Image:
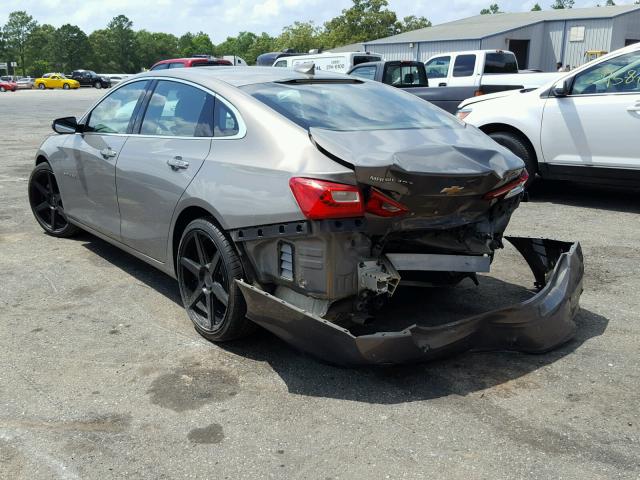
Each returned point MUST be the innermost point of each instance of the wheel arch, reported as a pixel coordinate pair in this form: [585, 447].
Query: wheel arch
[41, 159]
[504, 127]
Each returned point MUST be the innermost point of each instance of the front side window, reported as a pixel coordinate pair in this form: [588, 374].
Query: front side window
[616, 75]
[280, 63]
[404, 76]
[350, 106]
[178, 110]
[438, 67]
[464, 65]
[365, 72]
[114, 113]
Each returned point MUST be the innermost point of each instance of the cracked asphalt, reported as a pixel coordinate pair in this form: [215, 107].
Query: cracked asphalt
[102, 375]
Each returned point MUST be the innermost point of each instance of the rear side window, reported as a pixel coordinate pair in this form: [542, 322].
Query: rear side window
[114, 113]
[438, 67]
[225, 121]
[404, 76]
[500, 62]
[365, 72]
[178, 110]
[464, 65]
[162, 66]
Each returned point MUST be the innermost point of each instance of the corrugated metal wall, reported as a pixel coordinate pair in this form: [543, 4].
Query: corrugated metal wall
[533, 33]
[597, 36]
[625, 27]
[552, 45]
[420, 51]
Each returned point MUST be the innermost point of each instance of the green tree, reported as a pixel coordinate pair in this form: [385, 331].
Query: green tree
[300, 37]
[40, 49]
[16, 33]
[102, 58]
[561, 4]
[153, 46]
[262, 43]
[121, 41]
[365, 20]
[191, 44]
[71, 48]
[492, 10]
[414, 23]
[536, 8]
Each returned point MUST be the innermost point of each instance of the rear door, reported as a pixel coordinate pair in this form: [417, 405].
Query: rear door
[89, 166]
[156, 165]
[598, 122]
[464, 71]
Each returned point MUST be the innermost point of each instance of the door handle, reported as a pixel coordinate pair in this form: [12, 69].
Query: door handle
[108, 153]
[443, 84]
[177, 163]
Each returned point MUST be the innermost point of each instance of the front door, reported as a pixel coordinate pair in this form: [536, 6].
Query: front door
[598, 122]
[89, 164]
[156, 166]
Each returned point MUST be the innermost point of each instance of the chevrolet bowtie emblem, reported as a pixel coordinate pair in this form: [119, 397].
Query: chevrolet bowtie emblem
[453, 190]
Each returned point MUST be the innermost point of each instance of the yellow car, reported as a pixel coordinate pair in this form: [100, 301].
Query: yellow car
[55, 80]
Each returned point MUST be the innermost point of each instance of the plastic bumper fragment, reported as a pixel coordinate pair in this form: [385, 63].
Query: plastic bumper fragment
[536, 325]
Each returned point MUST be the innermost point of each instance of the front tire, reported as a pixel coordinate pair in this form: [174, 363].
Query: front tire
[207, 266]
[65, 86]
[41, 86]
[518, 146]
[46, 203]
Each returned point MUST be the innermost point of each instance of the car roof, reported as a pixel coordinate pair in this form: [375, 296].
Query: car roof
[239, 76]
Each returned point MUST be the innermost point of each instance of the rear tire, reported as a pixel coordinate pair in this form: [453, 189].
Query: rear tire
[41, 86]
[65, 86]
[518, 146]
[207, 266]
[2, 89]
[97, 85]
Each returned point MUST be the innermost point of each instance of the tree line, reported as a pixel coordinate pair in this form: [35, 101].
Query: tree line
[556, 5]
[39, 48]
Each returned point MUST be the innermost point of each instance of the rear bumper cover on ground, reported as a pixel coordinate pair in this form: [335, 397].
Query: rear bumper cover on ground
[539, 324]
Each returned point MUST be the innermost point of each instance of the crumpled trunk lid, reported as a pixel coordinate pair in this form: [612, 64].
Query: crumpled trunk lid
[441, 174]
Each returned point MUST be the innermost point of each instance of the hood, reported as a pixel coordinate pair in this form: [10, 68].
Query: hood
[434, 172]
[491, 96]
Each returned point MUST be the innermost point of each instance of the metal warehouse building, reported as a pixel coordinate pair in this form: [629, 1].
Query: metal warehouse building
[539, 39]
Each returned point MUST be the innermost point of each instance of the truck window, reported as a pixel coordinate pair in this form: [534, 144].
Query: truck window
[500, 62]
[464, 65]
[280, 63]
[438, 67]
[400, 75]
[365, 72]
[358, 59]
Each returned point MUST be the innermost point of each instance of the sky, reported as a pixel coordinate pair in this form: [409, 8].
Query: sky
[222, 18]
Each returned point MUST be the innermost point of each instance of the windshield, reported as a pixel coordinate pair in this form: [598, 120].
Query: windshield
[350, 106]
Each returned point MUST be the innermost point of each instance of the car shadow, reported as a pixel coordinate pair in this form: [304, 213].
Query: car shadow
[461, 374]
[601, 197]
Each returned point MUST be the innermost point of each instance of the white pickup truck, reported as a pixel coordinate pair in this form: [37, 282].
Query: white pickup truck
[477, 68]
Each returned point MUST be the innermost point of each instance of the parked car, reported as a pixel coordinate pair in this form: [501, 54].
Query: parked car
[299, 201]
[189, 62]
[582, 127]
[8, 86]
[55, 80]
[411, 76]
[89, 78]
[330, 62]
[267, 59]
[481, 67]
[115, 78]
[25, 83]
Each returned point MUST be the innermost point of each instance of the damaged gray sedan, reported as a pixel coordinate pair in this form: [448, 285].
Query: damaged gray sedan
[302, 202]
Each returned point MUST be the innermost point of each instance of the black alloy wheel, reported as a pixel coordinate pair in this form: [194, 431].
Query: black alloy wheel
[207, 267]
[46, 203]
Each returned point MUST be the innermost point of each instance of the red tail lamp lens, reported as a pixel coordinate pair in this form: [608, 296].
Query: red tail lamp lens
[319, 199]
[383, 206]
[505, 189]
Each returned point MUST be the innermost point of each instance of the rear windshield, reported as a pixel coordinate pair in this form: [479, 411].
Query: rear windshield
[500, 62]
[400, 75]
[350, 106]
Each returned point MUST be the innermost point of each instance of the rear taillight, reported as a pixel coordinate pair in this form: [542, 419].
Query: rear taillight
[383, 206]
[319, 199]
[509, 189]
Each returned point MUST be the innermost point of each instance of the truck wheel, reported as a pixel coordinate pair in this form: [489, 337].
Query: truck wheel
[97, 85]
[515, 144]
[207, 266]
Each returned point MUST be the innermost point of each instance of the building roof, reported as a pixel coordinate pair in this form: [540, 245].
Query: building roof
[482, 26]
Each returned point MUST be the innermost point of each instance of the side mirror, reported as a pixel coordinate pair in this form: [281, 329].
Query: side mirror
[561, 89]
[65, 125]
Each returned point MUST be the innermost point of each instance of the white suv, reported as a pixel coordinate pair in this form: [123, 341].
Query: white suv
[585, 126]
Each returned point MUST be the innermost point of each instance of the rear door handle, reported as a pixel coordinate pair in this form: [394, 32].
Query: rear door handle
[443, 84]
[108, 153]
[177, 163]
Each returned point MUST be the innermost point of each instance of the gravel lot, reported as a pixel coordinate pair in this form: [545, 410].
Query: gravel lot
[102, 375]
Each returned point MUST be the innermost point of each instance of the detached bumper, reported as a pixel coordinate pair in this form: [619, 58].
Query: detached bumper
[539, 324]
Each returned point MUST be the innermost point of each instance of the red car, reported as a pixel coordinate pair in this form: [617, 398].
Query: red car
[8, 86]
[189, 62]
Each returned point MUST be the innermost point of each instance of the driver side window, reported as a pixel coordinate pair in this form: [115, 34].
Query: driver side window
[113, 114]
[616, 75]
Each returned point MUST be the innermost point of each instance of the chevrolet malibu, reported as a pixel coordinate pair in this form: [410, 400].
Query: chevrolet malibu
[301, 201]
